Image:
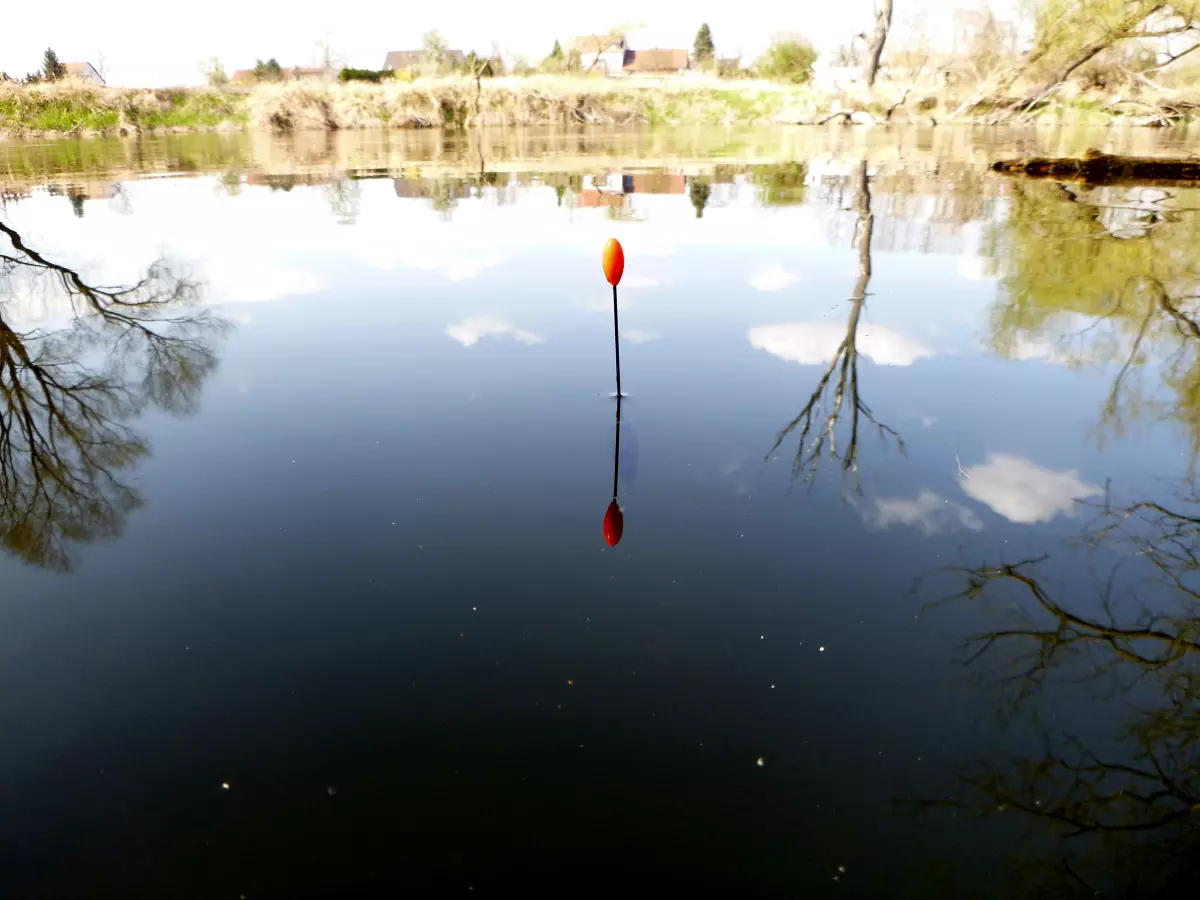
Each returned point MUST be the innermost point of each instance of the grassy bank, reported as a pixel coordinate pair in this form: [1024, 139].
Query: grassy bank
[532, 101]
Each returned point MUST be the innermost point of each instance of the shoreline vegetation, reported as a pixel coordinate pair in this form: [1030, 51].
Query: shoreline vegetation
[457, 102]
[568, 156]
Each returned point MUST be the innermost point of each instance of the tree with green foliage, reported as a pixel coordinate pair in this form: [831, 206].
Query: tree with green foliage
[788, 59]
[52, 69]
[1088, 279]
[698, 192]
[557, 52]
[703, 49]
[1070, 33]
[267, 71]
[214, 72]
[435, 51]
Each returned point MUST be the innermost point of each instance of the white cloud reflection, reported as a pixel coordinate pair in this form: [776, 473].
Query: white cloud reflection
[469, 332]
[928, 512]
[809, 343]
[640, 336]
[1022, 491]
[772, 278]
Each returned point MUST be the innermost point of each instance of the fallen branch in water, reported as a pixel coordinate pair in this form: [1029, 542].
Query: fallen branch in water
[1102, 168]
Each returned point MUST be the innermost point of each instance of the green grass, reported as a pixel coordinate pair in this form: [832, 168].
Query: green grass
[54, 114]
[190, 110]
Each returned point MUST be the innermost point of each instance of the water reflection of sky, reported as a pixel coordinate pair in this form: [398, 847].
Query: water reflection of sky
[385, 522]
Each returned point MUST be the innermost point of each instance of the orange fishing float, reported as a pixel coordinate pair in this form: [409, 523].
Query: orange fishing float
[614, 261]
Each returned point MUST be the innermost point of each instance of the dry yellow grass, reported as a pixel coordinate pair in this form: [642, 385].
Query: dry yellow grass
[459, 102]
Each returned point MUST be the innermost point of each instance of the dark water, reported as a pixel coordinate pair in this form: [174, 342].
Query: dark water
[304, 590]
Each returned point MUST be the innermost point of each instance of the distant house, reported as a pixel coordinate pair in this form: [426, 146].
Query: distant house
[604, 53]
[409, 60]
[83, 71]
[659, 182]
[614, 187]
[656, 62]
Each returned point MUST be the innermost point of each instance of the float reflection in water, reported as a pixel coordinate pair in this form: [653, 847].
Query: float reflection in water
[614, 267]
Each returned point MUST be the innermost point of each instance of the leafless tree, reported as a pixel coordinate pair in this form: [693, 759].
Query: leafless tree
[1126, 814]
[67, 396]
[879, 35]
[816, 424]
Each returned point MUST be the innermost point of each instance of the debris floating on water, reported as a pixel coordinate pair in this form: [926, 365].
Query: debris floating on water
[761, 762]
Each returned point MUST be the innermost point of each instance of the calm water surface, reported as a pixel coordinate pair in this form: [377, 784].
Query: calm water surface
[304, 459]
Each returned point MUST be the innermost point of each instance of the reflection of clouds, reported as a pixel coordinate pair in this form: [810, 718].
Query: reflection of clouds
[604, 303]
[640, 336]
[253, 282]
[641, 281]
[469, 332]
[975, 268]
[1022, 491]
[928, 512]
[772, 278]
[809, 343]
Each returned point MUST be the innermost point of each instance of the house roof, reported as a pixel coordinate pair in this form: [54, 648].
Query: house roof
[656, 60]
[82, 69]
[597, 43]
[411, 59]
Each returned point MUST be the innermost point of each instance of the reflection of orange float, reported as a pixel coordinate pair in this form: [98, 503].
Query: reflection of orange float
[614, 524]
[614, 267]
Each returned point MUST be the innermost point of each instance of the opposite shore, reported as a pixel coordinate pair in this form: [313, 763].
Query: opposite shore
[541, 100]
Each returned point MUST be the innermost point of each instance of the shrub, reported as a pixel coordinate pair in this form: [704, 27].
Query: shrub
[364, 75]
[790, 60]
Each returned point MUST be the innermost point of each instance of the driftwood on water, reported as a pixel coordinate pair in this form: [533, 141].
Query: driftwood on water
[1101, 168]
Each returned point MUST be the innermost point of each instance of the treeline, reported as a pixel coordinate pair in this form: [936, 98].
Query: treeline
[51, 70]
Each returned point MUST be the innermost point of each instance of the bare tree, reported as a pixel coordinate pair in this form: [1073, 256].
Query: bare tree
[67, 396]
[879, 35]
[816, 434]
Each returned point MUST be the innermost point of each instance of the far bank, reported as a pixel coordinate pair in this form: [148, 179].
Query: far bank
[459, 102]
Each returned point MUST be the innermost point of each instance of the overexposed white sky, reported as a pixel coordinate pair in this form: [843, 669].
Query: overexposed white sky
[148, 44]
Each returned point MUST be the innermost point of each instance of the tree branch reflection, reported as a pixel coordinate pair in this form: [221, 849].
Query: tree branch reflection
[1130, 797]
[1105, 275]
[815, 427]
[69, 393]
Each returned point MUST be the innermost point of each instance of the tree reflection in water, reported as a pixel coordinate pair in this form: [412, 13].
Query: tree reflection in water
[815, 427]
[1105, 276]
[1124, 800]
[69, 394]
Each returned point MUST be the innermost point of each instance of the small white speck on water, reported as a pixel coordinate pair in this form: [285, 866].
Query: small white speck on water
[772, 687]
[474, 609]
[842, 869]
[761, 762]
[330, 791]
[762, 637]
[224, 785]
[820, 649]
[187, 648]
